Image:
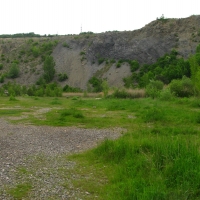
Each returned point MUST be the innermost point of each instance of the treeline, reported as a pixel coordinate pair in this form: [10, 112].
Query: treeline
[24, 35]
[49, 90]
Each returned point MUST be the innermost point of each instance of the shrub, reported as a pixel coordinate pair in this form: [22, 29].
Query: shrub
[67, 88]
[65, 45]
[134, 65]
[96, 84]
[154, 88]
[82, 53]
[118, 65]
[2, 78]
[62, 77]
[166, 95]
[14, 71]
[12, 98]
[101, 60]
[182, 88]
[36, 51]
[1, 66]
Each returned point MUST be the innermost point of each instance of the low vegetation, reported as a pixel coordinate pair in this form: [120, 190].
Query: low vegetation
[157, 157]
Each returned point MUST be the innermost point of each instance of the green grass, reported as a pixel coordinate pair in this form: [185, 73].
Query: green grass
[158, 157]
[20, 191]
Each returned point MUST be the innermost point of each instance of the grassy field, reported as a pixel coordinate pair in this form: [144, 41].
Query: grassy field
[157, 158]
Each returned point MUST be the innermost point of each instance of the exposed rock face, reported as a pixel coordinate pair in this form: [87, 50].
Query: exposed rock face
[80, 59]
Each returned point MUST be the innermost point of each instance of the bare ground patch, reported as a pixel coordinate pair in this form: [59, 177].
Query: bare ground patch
[39, 150]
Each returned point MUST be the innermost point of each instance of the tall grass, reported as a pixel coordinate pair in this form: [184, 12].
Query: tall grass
[151, 167]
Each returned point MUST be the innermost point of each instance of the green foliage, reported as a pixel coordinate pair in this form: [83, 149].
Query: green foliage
[66, 45]
[101, 60]
[151, 168]
[105, 88]
[52, 90]
[182, 88]
[14, 71]
[82, 53]
[2, 78]
[86, 33]
[12, 98]
[49, 70]
[20, 35]
[118, 65]
[145, 79]
[67, 88]
[195, 69]
[36, 51]
[167, 68]
[20, 191]
[71, 112]
[96, 84]
[1, 66]
[153, 114]
[166, 95]
[121, 94]
[134, 65]
[154, 88]
[62, 77]
[198, 49]
[124, 94]
[162, 19]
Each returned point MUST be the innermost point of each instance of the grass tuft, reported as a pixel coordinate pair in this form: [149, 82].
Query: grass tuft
[20, 191]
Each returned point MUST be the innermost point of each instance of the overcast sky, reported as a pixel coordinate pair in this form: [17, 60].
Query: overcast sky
[67, 16]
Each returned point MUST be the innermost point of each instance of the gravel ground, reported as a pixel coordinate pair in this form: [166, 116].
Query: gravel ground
[38, 151]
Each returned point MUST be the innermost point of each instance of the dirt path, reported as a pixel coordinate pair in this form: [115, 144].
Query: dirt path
[19, 142]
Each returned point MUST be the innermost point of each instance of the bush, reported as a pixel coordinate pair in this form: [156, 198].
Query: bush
[14, 71]
[154, 88]
[82, 53]
[65, 45]
[67, 88]
[166, 95]
[1, 66]
[118, 65]
[96, 84]
[62, 77]
[134, 65]
[182, 88]
[101, 60]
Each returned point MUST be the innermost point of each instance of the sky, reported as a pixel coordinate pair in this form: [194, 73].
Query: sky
[68, 16]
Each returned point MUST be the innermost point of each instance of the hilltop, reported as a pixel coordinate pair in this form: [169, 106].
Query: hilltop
[87, 54]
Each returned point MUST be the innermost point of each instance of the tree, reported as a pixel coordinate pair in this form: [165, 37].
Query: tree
[49, 70]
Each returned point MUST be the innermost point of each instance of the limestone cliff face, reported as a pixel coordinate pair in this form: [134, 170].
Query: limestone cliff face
[79, 58]
[145, 45]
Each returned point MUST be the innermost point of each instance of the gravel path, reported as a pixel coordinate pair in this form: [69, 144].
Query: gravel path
[24, 145]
